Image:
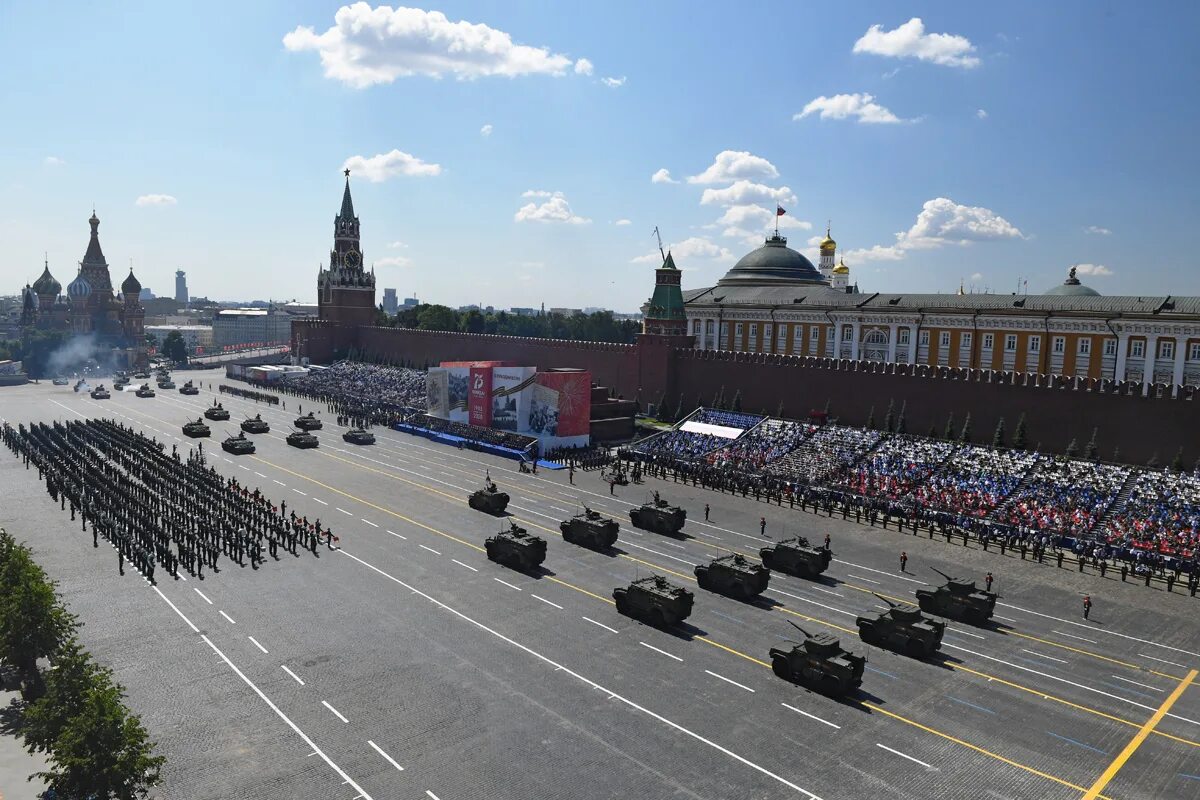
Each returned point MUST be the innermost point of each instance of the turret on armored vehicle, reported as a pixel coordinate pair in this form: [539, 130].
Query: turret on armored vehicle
[958, 599]
[733, 575]
[797, 557]
[100, 393]
[189, 388]
[358, 436]
[256, 425]
[165, 382]
[238, 445]
[489, 499]
[217, 412]
[658, 516]
[302, 439]
[819, 663]
[654, 600]
[197, 429]
[516, 549]
[145, 391]
[308, 422]
[121, 382]
[902, 628]
[590, 529]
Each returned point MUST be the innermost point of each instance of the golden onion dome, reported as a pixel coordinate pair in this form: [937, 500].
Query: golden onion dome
[828, 245]
[841, 269]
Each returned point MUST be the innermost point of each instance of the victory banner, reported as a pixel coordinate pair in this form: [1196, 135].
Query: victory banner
[437, 393]
[479, 397]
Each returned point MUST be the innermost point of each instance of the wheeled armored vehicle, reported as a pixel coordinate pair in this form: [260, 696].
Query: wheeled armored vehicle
[197, 429]
[189, 388]
[217, 412]
[256, 425]
[238, 445]
[358, 436]
[302, 439]
[654, 600]
[958, 599]
[308, 422]
[100, 393]
[489, 499]
[60, 381]
[796, 557]
[902, 628]
[516, 549]
[733, 575]
[145, 391]
[590, 529]
[658, 516]
[819, 663]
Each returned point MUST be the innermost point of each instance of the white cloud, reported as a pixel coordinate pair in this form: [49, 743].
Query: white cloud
[1097, 230]
[380, 167]
[981, 114]
[613, 83]
[943, 222]
[694, 247]
[976, 276]
[486, 130]
[730, 165]
[746, 192]
[662, 176]
[368, 46]
[155, 200]
[555, 209]
[54, 161]
[397, 245]
[841, 106]
[750, 222]
[911, 41]
[393, 261]
[1093, 269]
[622, 222]
[583, 67]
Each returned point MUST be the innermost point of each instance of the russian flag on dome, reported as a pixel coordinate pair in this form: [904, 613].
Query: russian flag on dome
[780, 210]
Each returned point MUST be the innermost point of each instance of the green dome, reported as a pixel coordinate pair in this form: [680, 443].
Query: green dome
[772, 264]
[46, 284]
[1072, 287]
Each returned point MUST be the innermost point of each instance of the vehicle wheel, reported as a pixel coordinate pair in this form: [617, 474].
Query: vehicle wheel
[830, 686]
[779, 665]
[768, 560]
[622, 606]
[657, 619]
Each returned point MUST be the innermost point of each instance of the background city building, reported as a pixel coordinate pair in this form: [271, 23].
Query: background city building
[390, 304]
[181, 287]
[194, 336]
[245, 326]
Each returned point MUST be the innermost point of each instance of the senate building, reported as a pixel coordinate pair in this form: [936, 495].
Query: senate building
[774, 300]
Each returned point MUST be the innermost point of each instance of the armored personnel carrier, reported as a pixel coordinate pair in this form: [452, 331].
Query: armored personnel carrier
[658, 516]
[256, 425]
[819, 663]
[516, 549]
[796, 557]
[166, 383]
[141, 375]
[197, 429]
[189, 388]
[59, 380]
[308, 422]
[145, 391]
[654, 600]
[902, 628]
[489, 499]
[100, 393]
[302, 439]
[238, 445]
[733, 575]
[590, 529]
[217, 412]
[358, 436]
[80, 385]
[958, 599]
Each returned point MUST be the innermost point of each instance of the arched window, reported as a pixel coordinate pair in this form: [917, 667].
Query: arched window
[875, 345]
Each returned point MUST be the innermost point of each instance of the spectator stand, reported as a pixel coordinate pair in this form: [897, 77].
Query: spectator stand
[1064, 496]
[898, 465]
[692, 439]
[473, 437]
[1161, 514]
[974, 480]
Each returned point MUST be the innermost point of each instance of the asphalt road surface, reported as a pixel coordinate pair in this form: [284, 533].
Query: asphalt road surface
[407, 665]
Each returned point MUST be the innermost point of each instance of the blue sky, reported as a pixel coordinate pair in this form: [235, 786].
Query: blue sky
[982, 143]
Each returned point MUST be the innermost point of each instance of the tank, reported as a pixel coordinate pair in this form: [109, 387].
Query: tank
[79, 385]
[516, 549]
[819, 663]
[100, 393]
[658, 516]
[189, 388]
[590, 529]
[121, 383]
[958, 599]
[302, 439]
[166, 383]
[256, 425]
[238, 445]
[902, 628]
[141, 375]
[796, 557]
[217, 412]
[308, 422]
[60, 381]
[145, 391]
[489, 499]
[733, 575]
[358, 436]
[197, 429]
[654, 600]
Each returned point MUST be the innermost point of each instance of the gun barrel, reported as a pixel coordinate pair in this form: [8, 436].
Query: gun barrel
[884, 599]
[797, 627]
[939, 572]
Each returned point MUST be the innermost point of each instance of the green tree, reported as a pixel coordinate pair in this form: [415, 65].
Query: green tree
[1018, 439]
[998, 434]
[889, 418]
[175, 348]
[948, 433]
[965, 435]
[1177, 461]
[1072, 449]
[901, 422]
[1091, 450]
[67, 684]
[33, 623]
[437, 318]
[736, 405]
[871, 418]
[472, 321]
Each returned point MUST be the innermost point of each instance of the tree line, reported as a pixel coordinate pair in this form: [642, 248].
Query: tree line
[599, 326]
[74, 712]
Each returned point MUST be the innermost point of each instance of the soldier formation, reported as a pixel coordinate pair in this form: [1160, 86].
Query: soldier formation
[157, 509]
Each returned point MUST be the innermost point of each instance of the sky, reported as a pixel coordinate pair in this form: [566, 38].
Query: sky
[514, 153]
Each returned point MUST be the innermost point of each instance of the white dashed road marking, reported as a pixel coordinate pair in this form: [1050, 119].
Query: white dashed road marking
[544, 600]
[430, 549]
[664, 652]
[735, 683]
[461, 564]
[226, 616]
[506, 583]
[336, 713]
[197, 591]
[812, 716]
[601, 624]
[390, 760]
[294, 675]
[372, 524]
[906, 755]
[344, 511]
[256, 644]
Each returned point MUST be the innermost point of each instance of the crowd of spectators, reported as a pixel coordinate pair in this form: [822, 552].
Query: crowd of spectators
[975, 480]
[380, 395]
[1162, 514]
[1068, 495]
[895, 468]
[756, 448]
[830, 450]
[474, 433]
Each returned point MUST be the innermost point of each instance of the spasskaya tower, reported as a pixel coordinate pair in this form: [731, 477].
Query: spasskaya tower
[345, 291]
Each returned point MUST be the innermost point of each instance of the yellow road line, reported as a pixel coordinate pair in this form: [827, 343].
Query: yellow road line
[976, 748]
[1138, 738]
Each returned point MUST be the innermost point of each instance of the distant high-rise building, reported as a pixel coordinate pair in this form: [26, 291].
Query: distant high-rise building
[181, 292]
[390, 303]
[146, 294]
